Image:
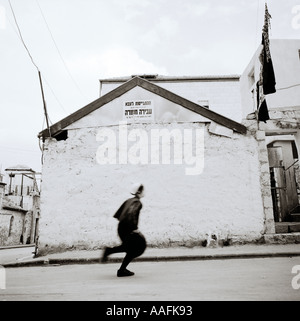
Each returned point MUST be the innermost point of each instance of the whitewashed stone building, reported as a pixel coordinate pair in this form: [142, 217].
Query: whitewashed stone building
[282, 130]
[204, 174]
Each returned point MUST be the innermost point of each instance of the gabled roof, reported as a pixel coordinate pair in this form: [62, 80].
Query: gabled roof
[160, 78]
[56, 128]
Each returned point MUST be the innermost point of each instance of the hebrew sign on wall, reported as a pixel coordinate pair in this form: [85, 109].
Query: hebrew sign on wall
[138, 110]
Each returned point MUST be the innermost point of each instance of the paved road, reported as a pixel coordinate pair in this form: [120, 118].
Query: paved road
[236, 279]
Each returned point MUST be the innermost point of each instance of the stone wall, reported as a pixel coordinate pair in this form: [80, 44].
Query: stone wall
[15, 222]
[14, 227]
[258, 131]
[2, 188]
[80, 196]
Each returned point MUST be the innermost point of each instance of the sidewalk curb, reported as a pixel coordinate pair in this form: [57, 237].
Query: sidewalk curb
[33, 262]
[69, 261]
[16, 246]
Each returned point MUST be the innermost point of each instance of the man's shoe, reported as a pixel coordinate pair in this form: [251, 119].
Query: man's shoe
[124, 273]
[105, 255]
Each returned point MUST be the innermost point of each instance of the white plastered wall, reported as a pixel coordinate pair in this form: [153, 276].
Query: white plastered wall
[80, 196]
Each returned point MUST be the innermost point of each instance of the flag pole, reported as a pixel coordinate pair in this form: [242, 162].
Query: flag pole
[266, 83]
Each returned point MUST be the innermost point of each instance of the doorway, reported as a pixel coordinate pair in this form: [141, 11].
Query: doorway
[284, 174]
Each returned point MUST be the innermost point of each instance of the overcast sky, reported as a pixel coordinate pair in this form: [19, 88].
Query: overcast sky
[75, 43]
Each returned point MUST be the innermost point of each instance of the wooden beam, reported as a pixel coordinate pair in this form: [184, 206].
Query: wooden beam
[89, 108]
[222, 120]
[119, 91]
[279, 132]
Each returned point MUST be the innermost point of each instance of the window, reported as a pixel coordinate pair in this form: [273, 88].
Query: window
[63, 135]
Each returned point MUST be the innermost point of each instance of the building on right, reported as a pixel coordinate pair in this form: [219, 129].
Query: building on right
[285, 55]
[282, 130]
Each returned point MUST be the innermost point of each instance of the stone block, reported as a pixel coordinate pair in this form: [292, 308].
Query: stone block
[281, 228]
[268, 203]
[265, 179]
[283, 238]
[264, 167]
[260, 135]
[269, 222]
[263, 156]
[294, 227]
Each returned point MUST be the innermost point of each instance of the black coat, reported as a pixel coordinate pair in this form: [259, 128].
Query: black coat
[128, 216]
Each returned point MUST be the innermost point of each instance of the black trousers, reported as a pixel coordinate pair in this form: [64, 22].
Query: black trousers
[134, 244]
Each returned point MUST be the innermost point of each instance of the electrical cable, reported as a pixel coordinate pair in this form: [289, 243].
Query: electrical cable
[60, 55]
[13, 149]
[39, 73]
[21, 37]
[53, 93]
[289, 87]
[48, 84]
[40, 78]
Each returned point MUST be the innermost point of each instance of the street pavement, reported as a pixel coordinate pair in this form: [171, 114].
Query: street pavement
[236, 272]
[22, 256]
[254, 279]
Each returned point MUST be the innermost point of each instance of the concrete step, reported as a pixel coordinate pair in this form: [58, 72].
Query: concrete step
[287, 227]
[281, 227]
[295, 217]
[282, 238]
[294, 227]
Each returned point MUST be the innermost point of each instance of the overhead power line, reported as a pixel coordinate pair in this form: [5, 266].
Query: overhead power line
[37, 68]
[289, 87]
[44, 78]
[21, 37]
[60, 55]
[16, 149]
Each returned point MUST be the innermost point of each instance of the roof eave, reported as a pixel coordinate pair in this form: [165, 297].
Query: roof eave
[147, 85]
[159, 78]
